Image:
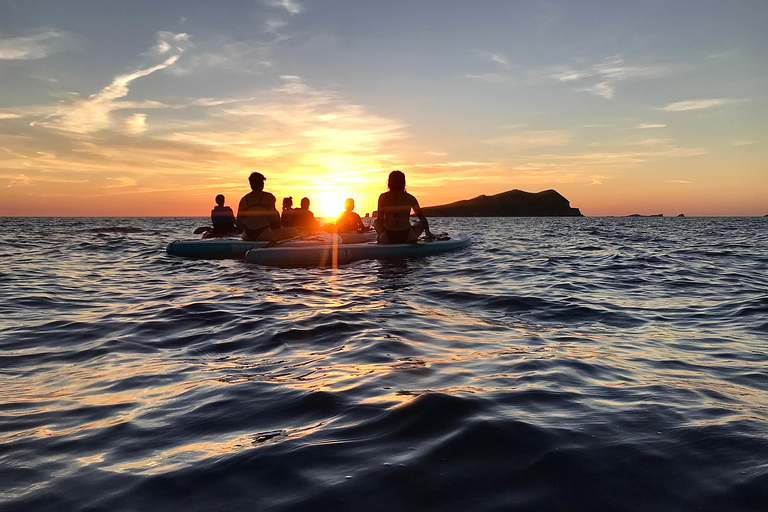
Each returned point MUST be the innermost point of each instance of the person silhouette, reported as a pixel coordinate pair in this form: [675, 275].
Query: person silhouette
[222, 218]
[392, 221]
[287, 217]
[348, 221]
[256, 213]
[303, 218]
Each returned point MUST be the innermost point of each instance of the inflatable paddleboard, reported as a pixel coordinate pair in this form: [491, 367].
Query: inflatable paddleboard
[235, 248]
[325, 255]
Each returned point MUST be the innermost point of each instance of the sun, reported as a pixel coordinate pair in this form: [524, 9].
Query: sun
[328, 204]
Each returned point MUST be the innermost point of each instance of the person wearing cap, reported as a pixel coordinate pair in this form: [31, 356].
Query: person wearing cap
[256, 214]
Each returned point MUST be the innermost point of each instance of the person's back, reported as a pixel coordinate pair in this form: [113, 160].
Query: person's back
[256, 214]
[394, 211]
[303, 218]
[349, 221]
[222, 217]
[287, 218]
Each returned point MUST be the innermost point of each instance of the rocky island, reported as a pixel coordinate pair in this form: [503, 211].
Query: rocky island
[513, 203]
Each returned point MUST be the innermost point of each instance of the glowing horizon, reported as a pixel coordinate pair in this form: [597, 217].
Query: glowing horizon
[155, 111]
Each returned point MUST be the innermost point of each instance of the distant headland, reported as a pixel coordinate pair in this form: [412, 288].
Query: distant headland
[513, 203]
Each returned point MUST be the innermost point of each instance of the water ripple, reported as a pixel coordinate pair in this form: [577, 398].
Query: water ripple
[556, 364]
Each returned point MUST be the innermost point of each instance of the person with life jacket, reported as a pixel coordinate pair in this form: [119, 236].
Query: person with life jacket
[256, 214]
[392, 222]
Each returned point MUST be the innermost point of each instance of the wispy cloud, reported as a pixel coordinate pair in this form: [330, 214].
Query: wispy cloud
[292, 6]
[35, 46]
[455, 164]
[493, 78]
[95, 112]
[122, 182]
[597, 179]
[603, 76]
[533, 139]
[223, 53]
[684, 106]
[16, 180]
[681, 182]
[137, 124]
[649, 126]
[170, 43]
[495, 57]
[89, 115]
[603, 89]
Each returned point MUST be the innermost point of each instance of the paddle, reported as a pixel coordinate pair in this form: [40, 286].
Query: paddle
[202, 229]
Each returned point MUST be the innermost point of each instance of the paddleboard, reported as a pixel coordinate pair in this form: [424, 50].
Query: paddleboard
[358, 238]
[326, 255]
[235, 248]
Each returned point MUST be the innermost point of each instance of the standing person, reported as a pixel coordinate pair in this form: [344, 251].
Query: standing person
[394, 211]
[303, 218]
[349, 221]
[286, 218]
[256, 214]
[222, 218]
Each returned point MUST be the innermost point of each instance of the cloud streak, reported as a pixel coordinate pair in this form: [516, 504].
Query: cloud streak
[292, 6]
[684, 106]
[36, 46]
[604, 75]
[533, 139]
[93, 114]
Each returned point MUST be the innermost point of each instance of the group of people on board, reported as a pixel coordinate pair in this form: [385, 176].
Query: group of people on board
[298, 217]
[259, 220]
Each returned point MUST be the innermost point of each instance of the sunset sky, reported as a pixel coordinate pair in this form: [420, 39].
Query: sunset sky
[142, 108]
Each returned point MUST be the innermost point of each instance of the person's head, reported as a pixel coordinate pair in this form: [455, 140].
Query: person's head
[396, 181]
[349, 204]
[287, 202]
[256, 179]
[220, 200]
[305, 202]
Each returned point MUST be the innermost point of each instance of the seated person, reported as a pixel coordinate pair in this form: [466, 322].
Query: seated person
[222, 218]
[393, 214]
[303, 218]
[256, 214]
[349, 221]
[287, 217]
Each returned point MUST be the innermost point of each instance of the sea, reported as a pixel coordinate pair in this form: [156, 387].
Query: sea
[556, 364]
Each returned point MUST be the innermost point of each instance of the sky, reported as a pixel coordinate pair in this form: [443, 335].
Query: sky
[113, 108]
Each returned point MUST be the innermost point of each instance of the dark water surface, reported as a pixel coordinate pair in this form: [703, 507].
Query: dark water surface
[556, 364]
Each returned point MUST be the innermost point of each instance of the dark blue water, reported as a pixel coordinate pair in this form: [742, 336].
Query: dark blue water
[557, 364]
